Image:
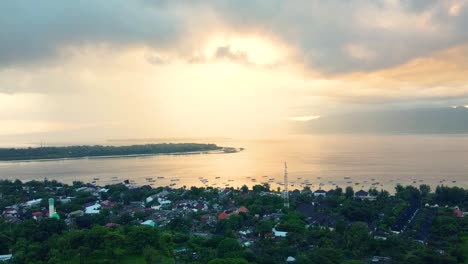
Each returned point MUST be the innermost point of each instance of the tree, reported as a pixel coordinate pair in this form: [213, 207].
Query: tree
[229, 247]
[357, 238]
[244, 189]
[263, 227]
[349, 192]
[151, 255]
[424, 189]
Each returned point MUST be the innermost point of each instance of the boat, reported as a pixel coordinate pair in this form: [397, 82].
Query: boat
[161, 177]
[96, 179]
[149, 179]
[173, 180]
[347, 178]
[217, 177]
[172, 184]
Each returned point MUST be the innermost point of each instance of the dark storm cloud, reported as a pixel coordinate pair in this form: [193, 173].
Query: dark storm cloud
[31, 31]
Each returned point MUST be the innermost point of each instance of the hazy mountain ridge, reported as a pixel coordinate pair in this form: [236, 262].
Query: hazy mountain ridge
[414, 121]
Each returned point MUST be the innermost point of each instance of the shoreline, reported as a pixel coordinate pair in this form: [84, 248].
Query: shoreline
[223, 150]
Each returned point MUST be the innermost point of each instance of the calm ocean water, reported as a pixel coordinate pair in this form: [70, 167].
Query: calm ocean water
[319, 161]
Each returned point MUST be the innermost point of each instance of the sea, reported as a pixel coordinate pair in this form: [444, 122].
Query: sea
[318, 161]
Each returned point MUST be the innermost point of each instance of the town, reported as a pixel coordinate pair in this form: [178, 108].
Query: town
[51, 222]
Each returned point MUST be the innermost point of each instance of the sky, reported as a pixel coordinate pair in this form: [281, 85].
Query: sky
[89, 70]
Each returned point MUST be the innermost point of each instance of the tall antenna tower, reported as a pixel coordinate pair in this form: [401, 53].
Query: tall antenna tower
[285, 191]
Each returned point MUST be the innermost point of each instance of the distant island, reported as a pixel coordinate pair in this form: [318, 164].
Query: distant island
[14, 154]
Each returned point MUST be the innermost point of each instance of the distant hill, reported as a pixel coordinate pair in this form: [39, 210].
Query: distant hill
[414, 121]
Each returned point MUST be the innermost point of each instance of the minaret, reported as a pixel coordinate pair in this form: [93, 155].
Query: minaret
[51, 207]
[286, 192]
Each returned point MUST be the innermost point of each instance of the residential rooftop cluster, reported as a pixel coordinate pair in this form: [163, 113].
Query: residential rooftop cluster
[251, 217]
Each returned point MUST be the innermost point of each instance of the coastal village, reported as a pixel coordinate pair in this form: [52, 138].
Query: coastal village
[247, 215]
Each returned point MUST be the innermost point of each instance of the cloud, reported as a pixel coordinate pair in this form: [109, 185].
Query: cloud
[225, 52]
[33, 32]
[157, 59]
[327, 36]
[151, 64]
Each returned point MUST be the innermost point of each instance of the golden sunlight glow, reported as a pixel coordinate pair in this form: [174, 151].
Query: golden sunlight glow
[257, 49]
[303, 118]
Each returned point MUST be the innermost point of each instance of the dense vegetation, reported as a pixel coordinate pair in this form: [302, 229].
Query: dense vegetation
[86, 239]
[98, 150]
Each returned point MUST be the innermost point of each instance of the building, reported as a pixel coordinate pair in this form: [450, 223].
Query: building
[93, 209]
[33, 202]
[458, 213]
[222, 216]
[149, 223]
[279, 233]
[361, 194]
[6, 258]
[318, 193]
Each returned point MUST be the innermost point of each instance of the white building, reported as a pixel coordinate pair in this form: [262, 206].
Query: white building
[93, 209]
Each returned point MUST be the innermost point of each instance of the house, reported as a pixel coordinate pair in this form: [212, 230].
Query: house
[379, 234]
[112, 225]
[243, 209]
[10, 212]
[86, 189]
[76, 213]
[306, 209]
[163, 193]
[37, 215]
[222, 216]
[458, 213]
[151, 198]
[361, 194]
[378, 259]
[164, 202]
[33, 202]
[149, 223]
[65, 200]
[93, 209]
[295, 193]
[224, 193]
[6, 258]
[290, 259]
[318, 193]
[279, 233]
[108, 204]
[103, 190]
